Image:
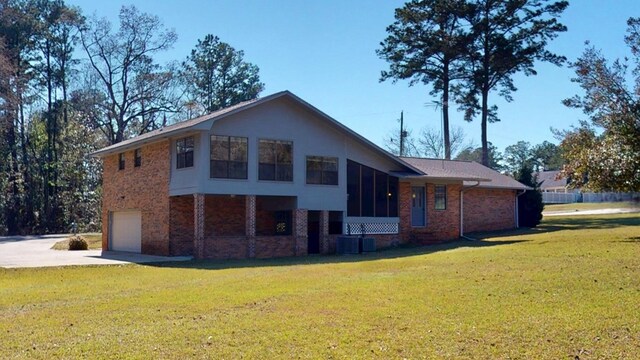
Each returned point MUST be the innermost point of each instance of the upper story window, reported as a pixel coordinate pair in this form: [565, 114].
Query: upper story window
[121, 161]
[322, 170]
[228, 157]
[275, 159]
[440, 200]
[184, 152]
[137, 157]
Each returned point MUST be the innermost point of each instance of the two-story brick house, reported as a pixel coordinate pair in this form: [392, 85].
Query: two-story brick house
[277, 177]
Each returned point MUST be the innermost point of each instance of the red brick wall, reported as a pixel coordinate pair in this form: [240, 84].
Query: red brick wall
[181, 230]
[224, 215]
[226, 247]
[144, 188]
[442, 225]
[275, 246]
[488, 209]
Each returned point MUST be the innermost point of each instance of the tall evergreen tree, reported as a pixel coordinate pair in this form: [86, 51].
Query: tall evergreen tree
[509, 37]
[426, 44]
[217, 76]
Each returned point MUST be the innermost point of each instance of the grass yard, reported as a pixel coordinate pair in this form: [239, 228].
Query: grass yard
[591, 206]
[567, 290]
[94, 240]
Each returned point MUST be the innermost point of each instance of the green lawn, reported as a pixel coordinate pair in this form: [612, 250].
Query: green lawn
[569, 289]
[94, 240]
[591, 206]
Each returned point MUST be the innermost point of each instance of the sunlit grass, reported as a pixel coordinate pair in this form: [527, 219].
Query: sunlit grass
[94, 240]
[590, 206]
[569, 288]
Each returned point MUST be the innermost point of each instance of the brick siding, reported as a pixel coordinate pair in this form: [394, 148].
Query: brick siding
[224, 215]
[489, 209]
[181, 228]
[144, 188]
[226, 247]
[275, 246]
[442, 225]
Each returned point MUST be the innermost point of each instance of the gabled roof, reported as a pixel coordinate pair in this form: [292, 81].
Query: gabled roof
[548, 180]
[174, 129]
[469, 171]
[206, 121]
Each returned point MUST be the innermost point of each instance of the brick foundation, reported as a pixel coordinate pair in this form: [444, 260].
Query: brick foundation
[275, 246]
[226, 247]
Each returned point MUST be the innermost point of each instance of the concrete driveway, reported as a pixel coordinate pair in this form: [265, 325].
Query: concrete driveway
[35, 251]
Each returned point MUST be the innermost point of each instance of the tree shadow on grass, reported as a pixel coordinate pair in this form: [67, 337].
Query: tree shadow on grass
[384, 254]
[548, 225]
[632, 239]
[596, 222]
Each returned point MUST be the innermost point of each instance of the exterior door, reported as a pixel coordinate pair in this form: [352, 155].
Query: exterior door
[418, 208]
[313, 232]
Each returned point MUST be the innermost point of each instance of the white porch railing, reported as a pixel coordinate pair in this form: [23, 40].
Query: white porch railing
[371, 226]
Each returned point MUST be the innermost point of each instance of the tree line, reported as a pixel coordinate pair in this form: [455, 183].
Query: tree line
[469, 50]
[71, 84]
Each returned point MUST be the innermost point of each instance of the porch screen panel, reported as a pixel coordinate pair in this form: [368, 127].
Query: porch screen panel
[368, 176]
[393, 196]
[353, 188]
[382, 194]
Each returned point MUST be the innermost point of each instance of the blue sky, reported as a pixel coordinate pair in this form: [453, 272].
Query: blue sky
[324, 52]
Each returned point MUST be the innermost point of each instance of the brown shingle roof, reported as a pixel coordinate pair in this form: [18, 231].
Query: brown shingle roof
[469, 171]
[548, 179]
[176, 128]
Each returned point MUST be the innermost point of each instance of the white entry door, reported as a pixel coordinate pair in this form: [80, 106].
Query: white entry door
[126, 231]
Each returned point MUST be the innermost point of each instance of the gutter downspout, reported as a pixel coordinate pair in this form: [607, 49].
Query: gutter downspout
[516, 208]
[462, 210]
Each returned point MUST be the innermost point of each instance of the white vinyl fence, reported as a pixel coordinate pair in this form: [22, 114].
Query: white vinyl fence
[567, 198]
[559, 198]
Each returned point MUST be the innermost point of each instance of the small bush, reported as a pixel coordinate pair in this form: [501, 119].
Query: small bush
[77, 242]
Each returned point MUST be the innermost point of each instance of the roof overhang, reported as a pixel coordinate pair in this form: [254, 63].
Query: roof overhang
[110, 150]
[410, 176]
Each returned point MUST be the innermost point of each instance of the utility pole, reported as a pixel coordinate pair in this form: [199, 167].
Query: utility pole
[403, 133]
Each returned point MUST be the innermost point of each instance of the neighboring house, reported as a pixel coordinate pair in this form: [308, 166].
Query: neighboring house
[550, 181]
[277, 177]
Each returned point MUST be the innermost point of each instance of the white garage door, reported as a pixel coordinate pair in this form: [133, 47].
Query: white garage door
[126, 231]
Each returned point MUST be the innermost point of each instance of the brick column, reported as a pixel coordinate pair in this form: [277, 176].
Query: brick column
[250, 229]
[324, 232]
[300, 222]
[404, 211]
[198, 224]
